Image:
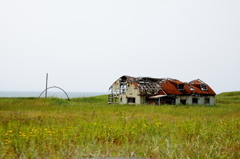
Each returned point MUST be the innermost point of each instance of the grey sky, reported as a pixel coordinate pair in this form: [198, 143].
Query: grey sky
[87, 45]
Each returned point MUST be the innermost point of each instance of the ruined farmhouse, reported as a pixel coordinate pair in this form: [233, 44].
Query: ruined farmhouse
[158, 91]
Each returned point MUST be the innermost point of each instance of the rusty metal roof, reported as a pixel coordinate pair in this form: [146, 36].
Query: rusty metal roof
[168, 86]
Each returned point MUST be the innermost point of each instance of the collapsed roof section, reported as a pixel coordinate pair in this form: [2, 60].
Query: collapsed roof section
[165, 86]
[146, 85]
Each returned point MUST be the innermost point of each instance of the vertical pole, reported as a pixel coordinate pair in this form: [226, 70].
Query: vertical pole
[46, 85]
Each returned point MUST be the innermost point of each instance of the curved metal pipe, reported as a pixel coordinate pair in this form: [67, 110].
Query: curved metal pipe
[54, 87]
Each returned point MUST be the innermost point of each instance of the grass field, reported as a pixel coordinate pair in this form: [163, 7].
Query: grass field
[89, 127]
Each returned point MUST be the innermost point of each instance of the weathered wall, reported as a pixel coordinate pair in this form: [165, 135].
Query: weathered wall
[116, 86]
[187, 98]
[131, 92]
[200, 100]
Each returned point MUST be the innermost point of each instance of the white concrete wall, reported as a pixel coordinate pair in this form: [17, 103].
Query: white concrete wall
[211, 100]
[201, 100]
[131, 92]
[124, 99]
[116, 86]
[177, 101]
[187, 98]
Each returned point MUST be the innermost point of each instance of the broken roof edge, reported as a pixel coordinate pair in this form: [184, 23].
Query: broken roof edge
[197, 81]
[193, 86]
[119, 79]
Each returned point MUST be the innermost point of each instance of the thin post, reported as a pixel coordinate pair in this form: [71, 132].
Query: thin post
[46, 85]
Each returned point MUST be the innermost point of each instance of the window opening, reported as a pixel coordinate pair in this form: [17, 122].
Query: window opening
[203, 87]
[123, 88]
[206, 100]
[169, 101]
[131, 100]
[195, 101]
[180, 86]
[183, 101]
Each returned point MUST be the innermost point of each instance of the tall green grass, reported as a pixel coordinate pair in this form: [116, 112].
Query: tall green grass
[89, 127]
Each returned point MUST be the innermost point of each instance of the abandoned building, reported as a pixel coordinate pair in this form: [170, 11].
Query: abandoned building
[158, 91]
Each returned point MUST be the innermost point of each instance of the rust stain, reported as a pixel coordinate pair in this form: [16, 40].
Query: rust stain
[162, 86]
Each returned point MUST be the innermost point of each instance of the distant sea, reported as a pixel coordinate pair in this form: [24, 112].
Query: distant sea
[49, 94]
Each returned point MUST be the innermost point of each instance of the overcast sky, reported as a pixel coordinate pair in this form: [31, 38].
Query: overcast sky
[87, 45]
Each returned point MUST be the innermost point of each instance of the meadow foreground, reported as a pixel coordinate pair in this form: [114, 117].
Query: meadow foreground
[89, 127]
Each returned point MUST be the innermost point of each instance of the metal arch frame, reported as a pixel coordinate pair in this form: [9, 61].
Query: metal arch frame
[54, 87]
